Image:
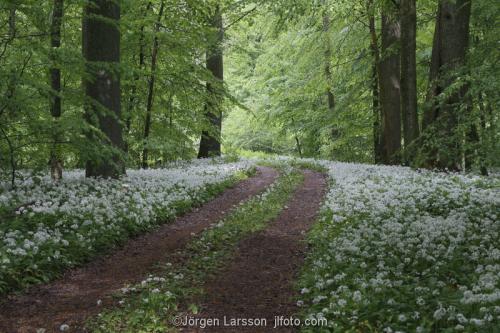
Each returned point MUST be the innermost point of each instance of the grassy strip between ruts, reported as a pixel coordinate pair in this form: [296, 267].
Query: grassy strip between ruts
[151, 305]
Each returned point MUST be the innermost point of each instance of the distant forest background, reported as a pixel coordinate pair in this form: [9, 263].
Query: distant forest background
[105, 85]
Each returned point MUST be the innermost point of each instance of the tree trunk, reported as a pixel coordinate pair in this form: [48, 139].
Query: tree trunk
[390, 88]
[210, 139]
[328, 56]
[451, 38]
[55, 160]
[9, 94]
[151, 86]
[408, 13]
[299, 147]
[328, 71]
[378, 143]
[101, 50]
[12, 22]
[482, 126]
[133, 94]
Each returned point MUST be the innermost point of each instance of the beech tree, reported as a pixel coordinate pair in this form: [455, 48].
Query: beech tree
[389, 72]
[210, 143]
[330, 97]
[55, 83]
[355, 81]
[101, 50]
[328, 58]
[151, 87]
[408, 14]
[133, 96]
[377, 114]
[451, 40]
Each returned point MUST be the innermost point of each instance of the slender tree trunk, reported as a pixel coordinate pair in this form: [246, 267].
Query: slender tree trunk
[133, 94]
[55, 84]
[9, 94]
[101, 50]
[12, 158]
[408, 14]
[210, 143]
[390, 88]
[451, 38]
[483, 135]
[328, 71]
[151, 86]
[472, 150]
[170, 110]
[55, 72]
[12, 22]
[299, 147]
[328, 57]
[378, 143]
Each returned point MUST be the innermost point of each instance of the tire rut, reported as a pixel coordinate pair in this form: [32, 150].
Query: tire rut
[73, 298]
[259, 281]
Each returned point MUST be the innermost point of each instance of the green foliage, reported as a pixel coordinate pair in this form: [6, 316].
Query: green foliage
[26, 125]
[276, 70]
[279, 76]
[275, 54]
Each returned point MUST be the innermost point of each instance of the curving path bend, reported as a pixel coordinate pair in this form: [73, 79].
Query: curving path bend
[73, 298]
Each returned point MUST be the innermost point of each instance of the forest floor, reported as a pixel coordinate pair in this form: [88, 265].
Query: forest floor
[76, 296]
[348, 247]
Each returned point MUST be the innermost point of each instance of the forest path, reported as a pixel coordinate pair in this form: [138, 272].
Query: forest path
[73, 298]
[259, 280]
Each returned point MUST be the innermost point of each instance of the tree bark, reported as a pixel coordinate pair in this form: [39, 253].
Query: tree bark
[210, 143]
[55, 160]
[328, 71]
[378, 139]
[482, 126]
[151, 87]
[408, 14]
[390, 88]
[9, 94]
[328, 56]
[451, 38]
[299, 147]
[12, 22]
[101, 50]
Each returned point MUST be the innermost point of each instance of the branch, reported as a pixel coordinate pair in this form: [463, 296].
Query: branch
[240, 18]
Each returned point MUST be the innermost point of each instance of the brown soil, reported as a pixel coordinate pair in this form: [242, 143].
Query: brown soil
[259, 282]
[73, 298]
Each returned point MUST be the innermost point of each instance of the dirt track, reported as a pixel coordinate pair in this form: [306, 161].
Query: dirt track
[258, 283]
[73, 298]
